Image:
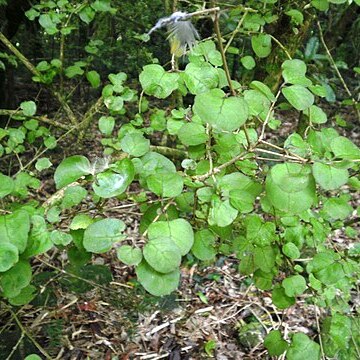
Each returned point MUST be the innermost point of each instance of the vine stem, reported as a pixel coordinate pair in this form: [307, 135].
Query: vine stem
[236, 30]
[221, 48]
[332, 61]
[27, 334]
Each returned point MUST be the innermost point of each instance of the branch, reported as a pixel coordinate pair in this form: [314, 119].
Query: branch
[70, 114]
[44, 119]
[221, 48]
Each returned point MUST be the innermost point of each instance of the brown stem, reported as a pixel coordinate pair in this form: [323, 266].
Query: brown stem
[44, 119]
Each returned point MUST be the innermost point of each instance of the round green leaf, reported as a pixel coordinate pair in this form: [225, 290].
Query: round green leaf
[114, 103]
[316, 115]
[156, 283]
[294, 285]
[162, 254]
[155, 81]
[248, 62]
[42, 164]
[294, 72]
[291, 250]
[275, 343]
[303, 348]
[203, 247]
[329, 177]
[179, 230]
[261, 45]
[15, 279]
[106, 125]
[73, 196]
[71, 169]
[221, 213]
[6, 185]
[14, 229]
[28, 108]
[166, 185]
[298, 96]
[291, 187]
[60, 238]
[109, 184]
[192, 134]
[26, 295]
[343, 148]
[280, 299]
[9, 256]
[33, 357]
[227, 114]
[101, 235]
[129, 255]
[200, 78]
[135, 144]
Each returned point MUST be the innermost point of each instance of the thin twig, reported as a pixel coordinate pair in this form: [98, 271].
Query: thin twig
[236, 31]
[332, 61]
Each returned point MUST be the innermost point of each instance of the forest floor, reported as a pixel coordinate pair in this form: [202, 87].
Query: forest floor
[215, 313]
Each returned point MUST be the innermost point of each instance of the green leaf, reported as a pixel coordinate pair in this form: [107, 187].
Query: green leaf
[73, 196]
[28, 108]
[280, 299]
[101, 235]
[81, 221]
[162, 254]
[274, 343]
[156, 283]
[329, 177]
[291, 187]
[302, 347]
[179, 230]
[264, 258]
[261, 45]
[50, 142]
[109, 184]
[94, 78]
[294, 72]
[154, 163]
[298, 96]
[15, 279]
[336, 332]
[227, 114]
[291, 250]
[26, 295]
[204, 245]
[87, 14]
[9, 256]
[129, 255]
[33, 357]
[257, 85]
[42, 164]
[294, 285]
[192, 134]
[166, 184]
[106, 125]
[155, 81]
[60, 238]
[345, 149]
[296, 16]
[47, 23]
[248, 62]
[114, 103]
[73, 70]
[14, 229]
[135, 144]
[71, 169]
[6, 185]
[221, 212]
[316, 115]
[337, 208]
[200, 78]
[118, 80]
[321, 5]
